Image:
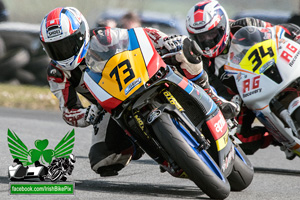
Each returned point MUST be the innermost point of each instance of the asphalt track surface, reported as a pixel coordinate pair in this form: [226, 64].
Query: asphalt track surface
[275, 177]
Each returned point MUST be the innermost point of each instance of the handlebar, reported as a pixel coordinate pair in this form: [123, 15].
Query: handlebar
[170, 55]
[164, 53]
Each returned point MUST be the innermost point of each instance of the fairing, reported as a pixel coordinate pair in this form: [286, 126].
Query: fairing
[264, 63]
[124, 73]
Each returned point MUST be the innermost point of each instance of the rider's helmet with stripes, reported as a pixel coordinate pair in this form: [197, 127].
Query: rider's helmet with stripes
[207, 23]
[64, 34]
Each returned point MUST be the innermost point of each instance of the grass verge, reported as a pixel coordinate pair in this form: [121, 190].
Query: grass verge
[29, 97]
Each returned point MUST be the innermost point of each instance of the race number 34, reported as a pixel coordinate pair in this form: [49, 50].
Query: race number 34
[258, 55]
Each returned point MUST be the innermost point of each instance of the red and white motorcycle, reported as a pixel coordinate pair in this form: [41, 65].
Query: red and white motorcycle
[167, 115]
[266, 68]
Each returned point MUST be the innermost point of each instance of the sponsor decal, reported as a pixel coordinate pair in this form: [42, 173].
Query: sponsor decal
[141, 125]
[236, 59]
[252, 92]
[219, 129]
[294, 59]
[199, 23]
[219, 124]
[290, 54]
[54, 32]
[251, 86]
[172, 100]
[132, 85]
[227, 160]
[282, 41]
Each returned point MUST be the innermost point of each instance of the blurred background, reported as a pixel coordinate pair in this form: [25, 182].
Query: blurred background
[22, 60]
[34, 10]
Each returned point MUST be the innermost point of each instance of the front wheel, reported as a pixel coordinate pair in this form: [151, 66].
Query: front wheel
[242, 172]
[198, 165]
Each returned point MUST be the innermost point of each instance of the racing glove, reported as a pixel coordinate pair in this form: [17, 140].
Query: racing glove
[190, 57]
[75, 117]
[94, 114]
[174, 43]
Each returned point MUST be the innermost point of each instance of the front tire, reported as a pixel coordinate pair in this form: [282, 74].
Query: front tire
[188, 160]
[242, 172]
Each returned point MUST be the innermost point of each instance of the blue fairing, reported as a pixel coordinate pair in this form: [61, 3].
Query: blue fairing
[133, 43]
[189, 88]
[240, 155]
[202, 154]
[95, 76]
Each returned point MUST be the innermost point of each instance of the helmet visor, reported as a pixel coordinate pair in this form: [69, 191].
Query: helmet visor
[68, 47]
[211, 38]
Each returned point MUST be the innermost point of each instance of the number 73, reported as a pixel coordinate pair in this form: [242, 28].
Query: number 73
[126, 79]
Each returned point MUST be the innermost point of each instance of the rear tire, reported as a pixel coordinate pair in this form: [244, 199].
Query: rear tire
[242, 172]
[185, 157]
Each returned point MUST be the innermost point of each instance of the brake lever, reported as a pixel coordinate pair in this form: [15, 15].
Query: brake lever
[170, 54]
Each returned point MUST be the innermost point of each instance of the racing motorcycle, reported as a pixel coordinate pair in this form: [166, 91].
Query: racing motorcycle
[173, 120]
[266, 67]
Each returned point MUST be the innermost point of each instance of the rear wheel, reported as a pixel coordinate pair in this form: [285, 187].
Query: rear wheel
[242, 172]
[199, 166]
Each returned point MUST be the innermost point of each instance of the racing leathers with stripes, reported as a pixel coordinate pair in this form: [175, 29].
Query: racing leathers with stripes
[111, 150]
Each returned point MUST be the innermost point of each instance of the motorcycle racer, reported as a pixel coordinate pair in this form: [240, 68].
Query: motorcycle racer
[65, 36]
[208, 24]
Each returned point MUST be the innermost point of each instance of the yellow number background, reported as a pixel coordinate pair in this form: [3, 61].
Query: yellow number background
[250, 64]
[110, 85]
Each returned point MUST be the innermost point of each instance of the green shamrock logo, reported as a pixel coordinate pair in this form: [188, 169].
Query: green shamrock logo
[40, 152]
[19, 150]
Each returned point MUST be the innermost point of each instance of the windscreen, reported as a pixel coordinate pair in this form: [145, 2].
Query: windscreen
[245, 39]
[253, 49]
[104, 44]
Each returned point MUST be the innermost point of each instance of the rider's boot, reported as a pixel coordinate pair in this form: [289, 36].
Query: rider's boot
[228, 108]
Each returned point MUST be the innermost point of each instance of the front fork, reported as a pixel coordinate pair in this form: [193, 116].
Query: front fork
[182, 117]
[225, 151]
